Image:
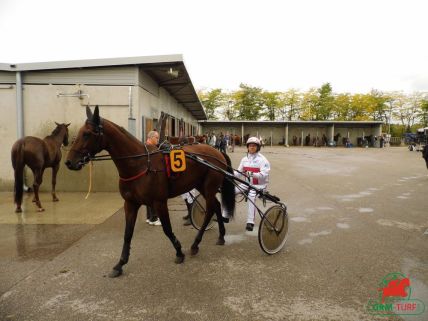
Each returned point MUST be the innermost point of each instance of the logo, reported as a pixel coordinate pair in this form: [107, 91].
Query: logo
[394, 297]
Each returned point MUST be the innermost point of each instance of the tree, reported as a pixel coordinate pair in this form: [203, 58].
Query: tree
[342, 109]
[358, 107]
[248, 102]
[424, 112]
[229, 109]
[406, 109]
[377, 107]
[212, 101]
[290, 109]
[325, 104]
[309, 104]
[271, 104]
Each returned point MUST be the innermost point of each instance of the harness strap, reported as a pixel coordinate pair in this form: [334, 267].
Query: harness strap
[128, 179]
[167, 165]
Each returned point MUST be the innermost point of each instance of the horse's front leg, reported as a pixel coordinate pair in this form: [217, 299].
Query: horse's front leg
[54, 173]
[131, 211]
[161, 209]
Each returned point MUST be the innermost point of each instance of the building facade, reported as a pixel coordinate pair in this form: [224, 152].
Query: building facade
[132, 92]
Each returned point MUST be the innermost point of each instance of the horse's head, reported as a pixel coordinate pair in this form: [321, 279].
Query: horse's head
[88, 142]
[425, 154]
[63, 129]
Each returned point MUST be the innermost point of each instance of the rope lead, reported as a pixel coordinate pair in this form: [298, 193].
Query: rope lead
[90, 180]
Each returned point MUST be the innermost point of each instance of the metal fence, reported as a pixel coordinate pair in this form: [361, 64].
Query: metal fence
[396, 141]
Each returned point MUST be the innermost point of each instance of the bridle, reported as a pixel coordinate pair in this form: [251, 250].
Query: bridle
[98, 132]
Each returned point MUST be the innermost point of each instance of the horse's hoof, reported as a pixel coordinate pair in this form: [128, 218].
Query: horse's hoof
[179, 259]
[40, 209]
[55, 199]
[220, 242]
[194, 250]
[115, 273]
[18, 210]
[34, 200]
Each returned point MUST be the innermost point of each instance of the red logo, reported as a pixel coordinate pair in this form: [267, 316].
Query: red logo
[394, 297]
[395, 288]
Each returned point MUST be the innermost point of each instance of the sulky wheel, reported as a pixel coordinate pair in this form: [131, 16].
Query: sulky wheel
[273, 229]
[198, 213]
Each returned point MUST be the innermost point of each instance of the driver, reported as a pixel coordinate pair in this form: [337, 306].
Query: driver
[256, 170]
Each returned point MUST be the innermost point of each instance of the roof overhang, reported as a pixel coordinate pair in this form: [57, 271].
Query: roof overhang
[320, 123]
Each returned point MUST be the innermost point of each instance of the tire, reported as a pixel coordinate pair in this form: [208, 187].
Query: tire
[198, 212]
[273, 229]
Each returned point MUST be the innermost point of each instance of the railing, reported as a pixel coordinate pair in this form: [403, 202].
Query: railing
[396, 141]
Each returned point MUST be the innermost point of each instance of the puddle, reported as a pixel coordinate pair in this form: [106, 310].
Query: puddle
[234, 238]
[343, 225]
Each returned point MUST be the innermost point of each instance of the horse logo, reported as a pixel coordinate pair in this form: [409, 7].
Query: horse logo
[395, 288]
[394, 297]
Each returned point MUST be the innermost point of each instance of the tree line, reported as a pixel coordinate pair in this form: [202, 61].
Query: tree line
[400, 112]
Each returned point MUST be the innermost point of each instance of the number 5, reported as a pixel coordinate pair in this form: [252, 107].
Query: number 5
[178, 160]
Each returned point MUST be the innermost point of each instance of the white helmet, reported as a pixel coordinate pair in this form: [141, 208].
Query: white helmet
[254, 140]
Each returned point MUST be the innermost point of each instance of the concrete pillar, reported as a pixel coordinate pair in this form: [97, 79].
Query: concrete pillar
[242, 134]
[286, 135]
[330, 133]
[379, 130]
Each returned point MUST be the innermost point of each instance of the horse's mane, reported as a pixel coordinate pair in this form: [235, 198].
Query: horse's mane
[124, 131]
[56, 131]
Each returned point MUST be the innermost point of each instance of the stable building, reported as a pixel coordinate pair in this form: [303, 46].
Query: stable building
[295, 133]
[132, 92]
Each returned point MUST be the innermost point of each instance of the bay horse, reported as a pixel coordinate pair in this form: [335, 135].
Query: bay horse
[38, 154]
[425, 154]
[144, 180]
[336, 138]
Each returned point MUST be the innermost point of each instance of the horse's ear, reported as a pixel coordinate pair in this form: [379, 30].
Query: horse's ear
[66, 125]
[88, 112]
[56, 124]
[96, 116]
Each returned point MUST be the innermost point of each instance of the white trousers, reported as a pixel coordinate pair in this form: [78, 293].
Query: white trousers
[188, 196]
[252, 210]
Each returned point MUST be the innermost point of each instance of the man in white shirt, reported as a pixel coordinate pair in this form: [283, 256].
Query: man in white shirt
[256, 168]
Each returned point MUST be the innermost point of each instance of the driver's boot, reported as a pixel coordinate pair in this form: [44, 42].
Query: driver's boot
[187, 217]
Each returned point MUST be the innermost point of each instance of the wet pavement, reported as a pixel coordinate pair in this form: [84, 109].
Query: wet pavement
[30, 239]
[356, 215]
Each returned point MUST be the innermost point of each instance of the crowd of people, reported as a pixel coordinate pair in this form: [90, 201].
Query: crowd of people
[222, 142]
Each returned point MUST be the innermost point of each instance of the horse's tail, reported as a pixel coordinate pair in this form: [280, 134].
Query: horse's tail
[18, 167]
[228, 189]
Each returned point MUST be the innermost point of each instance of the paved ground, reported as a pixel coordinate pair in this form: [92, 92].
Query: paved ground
[356, 216]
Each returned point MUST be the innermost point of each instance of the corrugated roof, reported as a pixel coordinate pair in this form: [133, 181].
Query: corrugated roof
[291, 122]
[169, 71]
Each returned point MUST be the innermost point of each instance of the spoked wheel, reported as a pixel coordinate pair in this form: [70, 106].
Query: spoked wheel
[273, 229]
[198, 213]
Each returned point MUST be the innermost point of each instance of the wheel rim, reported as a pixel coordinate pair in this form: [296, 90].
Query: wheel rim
[273, 229]
[198, 213]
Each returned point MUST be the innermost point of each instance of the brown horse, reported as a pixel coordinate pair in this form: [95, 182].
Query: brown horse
[144, 178]
[38, 154]
[237, 140]
[425, 154]
[201, 139]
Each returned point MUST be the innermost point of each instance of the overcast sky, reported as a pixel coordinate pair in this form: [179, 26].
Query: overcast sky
[356, 45]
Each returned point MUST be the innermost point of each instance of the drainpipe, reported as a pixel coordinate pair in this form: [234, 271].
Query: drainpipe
[19, 106]
[20, 115]
[131, 120]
